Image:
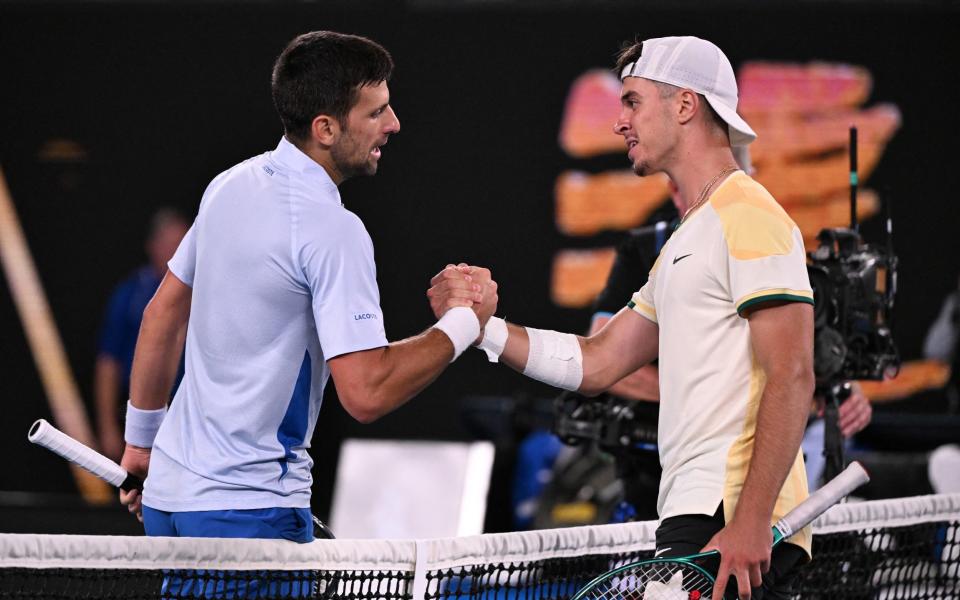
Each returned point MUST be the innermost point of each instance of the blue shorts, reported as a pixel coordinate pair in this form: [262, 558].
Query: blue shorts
[294, 524]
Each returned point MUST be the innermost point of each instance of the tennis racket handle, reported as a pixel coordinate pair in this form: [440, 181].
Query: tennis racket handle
[44, 434]
[819, 501]
[132, 482]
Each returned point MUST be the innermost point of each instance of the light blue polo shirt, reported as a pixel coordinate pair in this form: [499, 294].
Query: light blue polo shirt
[283, 279]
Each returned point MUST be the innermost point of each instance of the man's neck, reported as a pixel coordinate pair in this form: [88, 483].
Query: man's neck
[694, 170]
[322, 157]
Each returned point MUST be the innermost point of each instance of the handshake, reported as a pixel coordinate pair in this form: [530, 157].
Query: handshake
[464, 285]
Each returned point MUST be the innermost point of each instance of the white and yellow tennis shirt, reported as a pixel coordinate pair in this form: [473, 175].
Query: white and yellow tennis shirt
[738, 250]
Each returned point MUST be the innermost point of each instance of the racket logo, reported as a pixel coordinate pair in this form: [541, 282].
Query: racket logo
[784, 529]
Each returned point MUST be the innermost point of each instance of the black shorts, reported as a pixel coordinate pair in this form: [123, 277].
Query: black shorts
[687, 534]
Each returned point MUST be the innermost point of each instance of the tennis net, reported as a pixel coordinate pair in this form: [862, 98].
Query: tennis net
[891, 549]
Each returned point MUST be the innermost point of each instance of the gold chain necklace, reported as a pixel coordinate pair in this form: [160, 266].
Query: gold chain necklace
[702, 197]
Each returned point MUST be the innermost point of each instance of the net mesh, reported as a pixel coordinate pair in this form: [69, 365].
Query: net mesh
[891, 549]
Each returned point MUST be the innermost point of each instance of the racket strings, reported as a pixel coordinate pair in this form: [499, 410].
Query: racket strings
[655, 580]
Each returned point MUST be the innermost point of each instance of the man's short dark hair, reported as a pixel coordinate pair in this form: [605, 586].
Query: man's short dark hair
[321, 72]
[630, 52]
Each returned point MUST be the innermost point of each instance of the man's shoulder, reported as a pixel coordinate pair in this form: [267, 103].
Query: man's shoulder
[742, 196]
[751, 222]
[326, 225]
[329, 215]
[253, 164]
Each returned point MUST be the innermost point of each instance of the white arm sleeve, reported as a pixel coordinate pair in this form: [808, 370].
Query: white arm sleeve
[183, 264]
[555, 359]
[337, 261]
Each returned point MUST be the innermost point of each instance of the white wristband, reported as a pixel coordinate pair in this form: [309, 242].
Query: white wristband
[494, 339]
[142, 425]
[555, 359]
[461, 326]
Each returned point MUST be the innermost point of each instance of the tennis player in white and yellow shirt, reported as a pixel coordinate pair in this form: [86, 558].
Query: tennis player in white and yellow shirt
[727, 310]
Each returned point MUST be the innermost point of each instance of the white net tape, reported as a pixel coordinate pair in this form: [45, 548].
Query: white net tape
[115, 552]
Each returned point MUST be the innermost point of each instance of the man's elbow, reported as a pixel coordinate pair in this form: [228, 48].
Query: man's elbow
[359, 407]
[366, 405]
[364, 416]
[591, 388]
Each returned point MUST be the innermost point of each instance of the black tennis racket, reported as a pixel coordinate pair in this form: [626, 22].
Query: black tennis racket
[44, 434]
[685, 578]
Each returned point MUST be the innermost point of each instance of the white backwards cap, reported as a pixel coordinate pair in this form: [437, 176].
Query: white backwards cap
[695, 64]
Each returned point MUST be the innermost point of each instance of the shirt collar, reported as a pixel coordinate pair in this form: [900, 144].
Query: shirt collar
[291, 157]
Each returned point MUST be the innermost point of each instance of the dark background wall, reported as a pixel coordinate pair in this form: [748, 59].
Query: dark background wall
[165, 96]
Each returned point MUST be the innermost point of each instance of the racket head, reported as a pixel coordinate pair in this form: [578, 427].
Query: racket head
[653, 579]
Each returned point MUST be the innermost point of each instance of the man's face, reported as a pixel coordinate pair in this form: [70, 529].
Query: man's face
[367, 127]
[164, 242]
[645, 125]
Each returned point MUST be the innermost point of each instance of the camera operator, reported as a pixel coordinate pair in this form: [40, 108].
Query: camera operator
[854, 415]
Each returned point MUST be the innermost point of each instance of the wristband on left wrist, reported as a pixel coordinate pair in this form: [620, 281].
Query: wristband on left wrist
[142, 425]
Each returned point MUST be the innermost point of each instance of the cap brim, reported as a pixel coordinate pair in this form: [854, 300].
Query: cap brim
[741, 134]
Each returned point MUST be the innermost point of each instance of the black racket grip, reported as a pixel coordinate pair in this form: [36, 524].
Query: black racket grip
[132, 482]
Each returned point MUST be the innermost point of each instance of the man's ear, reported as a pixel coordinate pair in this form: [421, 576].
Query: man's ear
[325, 130]
[688, 105]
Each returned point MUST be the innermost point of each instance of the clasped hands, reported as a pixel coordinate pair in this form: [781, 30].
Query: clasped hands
[464, 285]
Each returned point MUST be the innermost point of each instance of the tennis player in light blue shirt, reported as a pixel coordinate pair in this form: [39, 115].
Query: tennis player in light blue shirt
[274, 290]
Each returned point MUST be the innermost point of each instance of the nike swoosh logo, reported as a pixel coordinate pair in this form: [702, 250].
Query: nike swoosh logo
[679, 258]
[662, 550]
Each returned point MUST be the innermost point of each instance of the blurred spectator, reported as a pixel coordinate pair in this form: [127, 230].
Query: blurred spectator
[941, 345]
[121, 324]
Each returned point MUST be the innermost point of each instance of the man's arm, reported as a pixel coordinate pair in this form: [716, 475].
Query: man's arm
[372, 383]
[160, 344]
[628, 342]
[642, 384]
[781, 337]
[155, 363]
